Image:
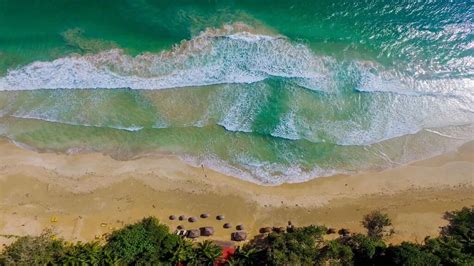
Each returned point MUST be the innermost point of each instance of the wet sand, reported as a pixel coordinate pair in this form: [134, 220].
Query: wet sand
[83, 196]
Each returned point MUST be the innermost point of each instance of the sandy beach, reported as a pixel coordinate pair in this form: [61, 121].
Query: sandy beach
[84, 196]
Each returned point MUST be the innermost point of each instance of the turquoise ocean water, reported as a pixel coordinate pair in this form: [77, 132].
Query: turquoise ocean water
[268, 91]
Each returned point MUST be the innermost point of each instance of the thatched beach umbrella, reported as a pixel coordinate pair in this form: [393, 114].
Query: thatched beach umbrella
[182, 217]
[344, 232]
[193, 233]
[238, 236]
[227, 225]
[240, 227]
[220, 217]
[172, 217]
[180, 227]
[278, 230]
[264, 230]
[204, 215]
[207, 231]
[192, 219]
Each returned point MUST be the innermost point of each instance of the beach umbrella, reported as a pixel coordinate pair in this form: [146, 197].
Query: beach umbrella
[220, 217]
[204, 215]
[240, 227]
[207, 231]
[238, 236]
[180, 227]
[192, 219]
[182, 218]
[172, 217]
[227, 225]
[193, 233]
[278, 230]
[264, 230]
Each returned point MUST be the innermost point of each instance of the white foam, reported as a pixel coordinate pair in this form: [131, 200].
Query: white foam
[208, 58]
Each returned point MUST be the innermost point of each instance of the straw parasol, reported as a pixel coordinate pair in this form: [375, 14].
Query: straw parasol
[193, 233]
[238, 236]
[206, 231]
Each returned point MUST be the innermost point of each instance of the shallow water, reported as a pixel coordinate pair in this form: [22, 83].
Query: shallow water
[269, 91]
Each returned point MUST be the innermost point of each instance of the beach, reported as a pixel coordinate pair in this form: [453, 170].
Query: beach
[84, 196]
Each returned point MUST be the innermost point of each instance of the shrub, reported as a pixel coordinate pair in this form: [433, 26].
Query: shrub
[34, 250]
[335, 253]
[375, 223]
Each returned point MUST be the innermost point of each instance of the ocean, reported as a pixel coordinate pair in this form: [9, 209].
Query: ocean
[266, 91]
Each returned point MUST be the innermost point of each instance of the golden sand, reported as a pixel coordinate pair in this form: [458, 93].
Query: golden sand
[83, 196]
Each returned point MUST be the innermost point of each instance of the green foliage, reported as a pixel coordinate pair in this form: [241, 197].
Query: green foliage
[34, 250]
[335, 253]
[375, 223]
[455, 245]
[365, 248]
[184, 252]
[82, 254]
[299, 247]
[149, 242]
[206, 253]
[146, 241]
[461, 228]
[244, 256]
[408, 254]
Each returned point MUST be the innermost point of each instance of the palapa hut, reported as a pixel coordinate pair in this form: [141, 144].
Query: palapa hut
[193, 233]
[192, 219]
[180, 227]
[227, 225]
[220, 217]
[240, 227]
[239, 236]
[204, 215]
[182, 217]
[207, 231]
[172, 217]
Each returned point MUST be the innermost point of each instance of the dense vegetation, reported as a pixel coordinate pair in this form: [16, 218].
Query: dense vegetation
[150, 242]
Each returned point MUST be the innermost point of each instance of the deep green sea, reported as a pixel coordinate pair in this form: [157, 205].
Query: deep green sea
[268, 91]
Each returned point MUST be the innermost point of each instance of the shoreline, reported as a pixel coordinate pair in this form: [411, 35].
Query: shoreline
[85, 191]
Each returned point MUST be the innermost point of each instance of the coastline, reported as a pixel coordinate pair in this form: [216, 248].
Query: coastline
[90, 194]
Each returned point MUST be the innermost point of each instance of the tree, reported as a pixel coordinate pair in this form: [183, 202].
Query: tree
[408, 254]
[335, 253]
[461, 228]
[147, 241]
[183, 252]
[375, 223]
[244, 256]
[364, 248]
[206, 253]
[455, 245]
[298, 247]
[82, 254]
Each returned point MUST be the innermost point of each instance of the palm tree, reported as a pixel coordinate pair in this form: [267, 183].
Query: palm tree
[243, 257]
[207, 253]
[183, 253]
